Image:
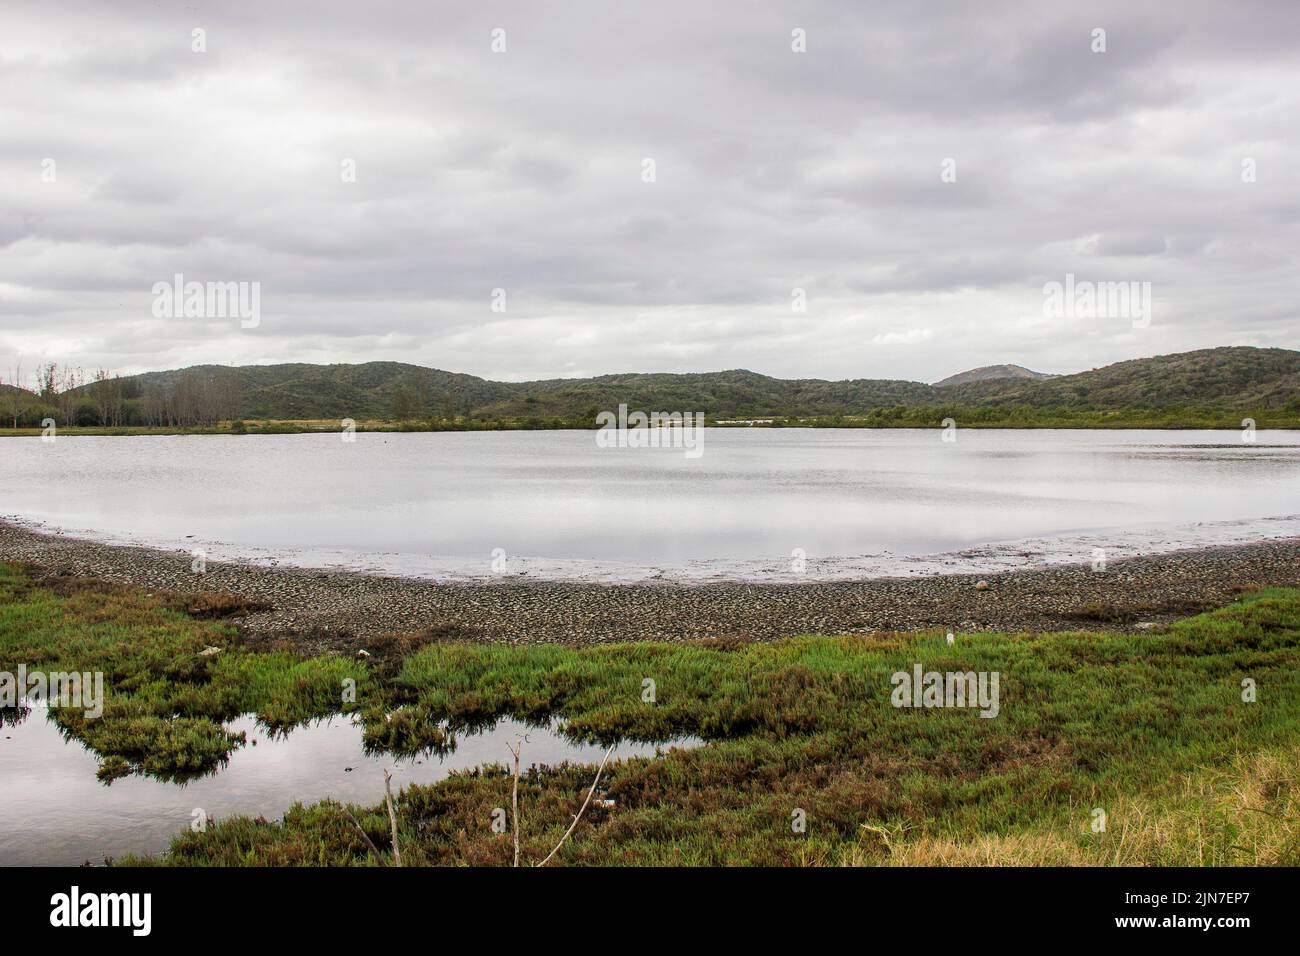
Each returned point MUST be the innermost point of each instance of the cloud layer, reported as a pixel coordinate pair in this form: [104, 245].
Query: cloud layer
[524, 171]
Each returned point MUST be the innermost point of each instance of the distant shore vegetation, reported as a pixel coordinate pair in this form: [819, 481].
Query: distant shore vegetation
[1224, 388]
[1170, 419]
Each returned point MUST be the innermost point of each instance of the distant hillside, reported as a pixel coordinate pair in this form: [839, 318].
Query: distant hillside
[991, 372]
[1231, 378]
[734, 394]
[369, 390]
[1222, 379]
[1192, 387]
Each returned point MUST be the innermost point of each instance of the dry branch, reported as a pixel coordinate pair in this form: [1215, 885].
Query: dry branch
[514, 797]
[392, 816]
[366, 836]
[599, 770]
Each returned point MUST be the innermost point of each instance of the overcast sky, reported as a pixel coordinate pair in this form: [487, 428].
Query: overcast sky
[524, 170]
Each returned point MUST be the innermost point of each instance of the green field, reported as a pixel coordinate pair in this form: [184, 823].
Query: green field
[1150, 728]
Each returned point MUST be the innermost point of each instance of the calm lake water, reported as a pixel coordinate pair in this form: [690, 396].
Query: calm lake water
[854, 502]
[54, 812]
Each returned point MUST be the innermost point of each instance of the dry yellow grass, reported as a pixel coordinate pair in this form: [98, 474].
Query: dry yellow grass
[1245, 815]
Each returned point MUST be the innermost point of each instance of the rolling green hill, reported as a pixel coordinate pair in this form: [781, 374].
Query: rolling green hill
[988, 372]
[734, 394]
[1218, 386]
[1235, 378]
[368, 390]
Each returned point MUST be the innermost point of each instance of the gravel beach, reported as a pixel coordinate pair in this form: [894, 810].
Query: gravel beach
[338, 610]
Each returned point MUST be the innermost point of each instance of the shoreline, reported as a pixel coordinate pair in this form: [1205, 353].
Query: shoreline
[324, 611]
[1265, 421]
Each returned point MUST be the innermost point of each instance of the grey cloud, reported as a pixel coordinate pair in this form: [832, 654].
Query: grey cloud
[1131, 245]
[523, 171]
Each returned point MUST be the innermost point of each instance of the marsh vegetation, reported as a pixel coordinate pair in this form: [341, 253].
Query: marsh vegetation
[1151, 726]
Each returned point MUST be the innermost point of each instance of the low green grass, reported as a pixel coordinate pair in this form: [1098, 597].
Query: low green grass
[1150, 727]
[927, 416]
[164, 701]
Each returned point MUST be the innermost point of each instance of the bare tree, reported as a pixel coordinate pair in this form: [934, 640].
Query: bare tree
[107, 395]
[47, 380]
[67, 383]
[15, 399]
[191, 399]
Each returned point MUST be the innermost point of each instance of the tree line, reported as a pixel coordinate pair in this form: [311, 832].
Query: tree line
[69, 396]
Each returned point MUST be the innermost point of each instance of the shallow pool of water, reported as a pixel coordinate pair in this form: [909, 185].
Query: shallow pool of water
[54, 812]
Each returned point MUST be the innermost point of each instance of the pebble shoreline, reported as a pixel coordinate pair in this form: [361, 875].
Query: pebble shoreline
[340, 610]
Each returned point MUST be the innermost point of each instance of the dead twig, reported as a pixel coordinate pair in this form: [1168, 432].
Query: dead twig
[392, 816]
[514, 796]
[374, 850]
[599, 770]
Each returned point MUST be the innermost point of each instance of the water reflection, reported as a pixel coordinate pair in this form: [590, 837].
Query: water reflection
[53, 811]
[856, 501]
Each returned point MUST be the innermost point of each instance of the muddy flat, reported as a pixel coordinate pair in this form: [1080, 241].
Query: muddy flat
[339, 609]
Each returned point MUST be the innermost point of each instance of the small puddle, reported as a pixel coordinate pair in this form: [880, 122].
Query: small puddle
[54, 812]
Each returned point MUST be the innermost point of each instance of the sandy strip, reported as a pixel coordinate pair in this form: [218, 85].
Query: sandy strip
[340, 610]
